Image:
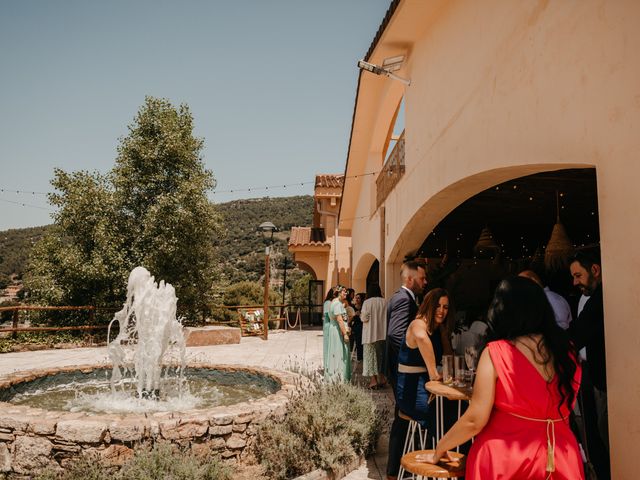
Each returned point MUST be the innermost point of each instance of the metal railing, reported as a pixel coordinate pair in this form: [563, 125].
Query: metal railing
[391, 172]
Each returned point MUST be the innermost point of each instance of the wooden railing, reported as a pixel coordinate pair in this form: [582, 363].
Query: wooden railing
[15, 317]
[391, 172]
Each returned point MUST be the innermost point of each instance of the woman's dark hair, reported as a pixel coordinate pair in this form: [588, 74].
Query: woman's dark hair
[362, 296]
[373, 290]
[520, 308]
[330, 295]
[428, 308]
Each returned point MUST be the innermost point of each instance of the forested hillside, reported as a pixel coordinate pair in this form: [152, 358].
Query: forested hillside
[15, 245]
[240, 251]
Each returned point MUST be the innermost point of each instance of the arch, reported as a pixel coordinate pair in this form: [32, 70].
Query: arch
[438, 206]
[307, 268]
[361, 271]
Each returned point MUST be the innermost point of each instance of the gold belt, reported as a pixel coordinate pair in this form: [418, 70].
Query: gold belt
[551, 438]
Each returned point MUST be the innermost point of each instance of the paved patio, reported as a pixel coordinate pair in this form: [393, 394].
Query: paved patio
[281, 351]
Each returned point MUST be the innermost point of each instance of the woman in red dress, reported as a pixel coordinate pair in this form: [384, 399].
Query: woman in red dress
[524, 390]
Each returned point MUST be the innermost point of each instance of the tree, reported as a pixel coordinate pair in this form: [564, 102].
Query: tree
[81, 259]
[151, 210]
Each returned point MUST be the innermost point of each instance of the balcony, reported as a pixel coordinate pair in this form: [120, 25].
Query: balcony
[391, 173]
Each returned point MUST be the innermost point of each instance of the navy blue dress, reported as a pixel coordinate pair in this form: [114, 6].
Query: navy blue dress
[412, 397]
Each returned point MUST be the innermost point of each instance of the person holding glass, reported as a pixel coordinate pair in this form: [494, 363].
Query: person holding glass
[525, 389]
[338, 366]
[427, 339]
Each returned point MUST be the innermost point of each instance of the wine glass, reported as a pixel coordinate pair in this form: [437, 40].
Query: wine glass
[471, 358]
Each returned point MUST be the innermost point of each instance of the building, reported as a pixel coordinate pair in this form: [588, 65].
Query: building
[505, 97]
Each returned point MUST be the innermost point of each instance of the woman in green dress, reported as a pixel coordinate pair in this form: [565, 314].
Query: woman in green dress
[338, 365]
[325, 326]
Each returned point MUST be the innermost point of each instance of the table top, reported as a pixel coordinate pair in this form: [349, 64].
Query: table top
[443, 469]
[448, 391]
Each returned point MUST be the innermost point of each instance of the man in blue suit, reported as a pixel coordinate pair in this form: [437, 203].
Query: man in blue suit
[401, 311]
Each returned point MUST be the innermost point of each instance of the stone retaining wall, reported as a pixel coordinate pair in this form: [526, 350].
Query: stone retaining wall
[32, 439]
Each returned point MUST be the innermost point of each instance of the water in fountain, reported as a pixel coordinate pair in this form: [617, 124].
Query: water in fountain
[148, 357]
[148, 327]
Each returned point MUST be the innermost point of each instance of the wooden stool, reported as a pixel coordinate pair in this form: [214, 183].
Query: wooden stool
[409, 439]
[444, 469]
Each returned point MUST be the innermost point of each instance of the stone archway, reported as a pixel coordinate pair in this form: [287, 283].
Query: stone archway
[361, 271]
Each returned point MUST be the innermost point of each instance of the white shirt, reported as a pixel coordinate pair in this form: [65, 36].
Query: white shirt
[561, 308]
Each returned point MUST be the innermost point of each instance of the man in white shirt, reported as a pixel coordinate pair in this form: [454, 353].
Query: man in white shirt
[560, 306]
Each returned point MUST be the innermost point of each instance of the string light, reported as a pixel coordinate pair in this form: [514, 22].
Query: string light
[232, 190]
[22, 204]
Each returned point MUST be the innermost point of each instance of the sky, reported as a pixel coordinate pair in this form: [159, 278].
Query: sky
[271, 85]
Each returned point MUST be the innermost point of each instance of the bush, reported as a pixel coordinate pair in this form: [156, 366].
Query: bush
[160, 462]
[325, 428]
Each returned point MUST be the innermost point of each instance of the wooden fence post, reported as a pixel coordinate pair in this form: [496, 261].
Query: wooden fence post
[15, 316]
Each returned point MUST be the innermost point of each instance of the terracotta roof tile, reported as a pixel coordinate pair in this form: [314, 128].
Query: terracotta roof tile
[329, 180]
[307, 236]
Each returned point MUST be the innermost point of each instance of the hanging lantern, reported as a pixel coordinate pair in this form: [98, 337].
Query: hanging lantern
[486, 246]
[559, 248]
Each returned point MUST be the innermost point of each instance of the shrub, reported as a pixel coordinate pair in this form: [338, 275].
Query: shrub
[160, 462]
[324, 428]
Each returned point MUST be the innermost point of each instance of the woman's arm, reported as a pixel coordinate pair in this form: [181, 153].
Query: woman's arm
[365, 314]
[417, 334]
[339, 315]
[477, 415]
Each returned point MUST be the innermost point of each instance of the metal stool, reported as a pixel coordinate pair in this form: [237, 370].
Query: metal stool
[409, 440]
[444, 469]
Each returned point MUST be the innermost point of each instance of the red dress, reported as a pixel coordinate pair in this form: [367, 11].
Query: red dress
[512, 447]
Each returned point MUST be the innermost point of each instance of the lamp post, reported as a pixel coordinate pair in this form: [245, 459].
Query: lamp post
[267, 229]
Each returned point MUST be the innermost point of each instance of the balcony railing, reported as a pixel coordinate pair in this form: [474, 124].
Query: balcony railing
[391, 173]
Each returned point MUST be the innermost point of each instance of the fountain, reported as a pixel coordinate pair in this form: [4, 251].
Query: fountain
[149, 393]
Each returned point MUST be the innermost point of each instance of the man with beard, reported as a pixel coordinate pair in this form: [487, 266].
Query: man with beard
[587, 330]
[401, 310]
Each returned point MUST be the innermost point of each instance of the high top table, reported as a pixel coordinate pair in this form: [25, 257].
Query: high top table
[441, 391]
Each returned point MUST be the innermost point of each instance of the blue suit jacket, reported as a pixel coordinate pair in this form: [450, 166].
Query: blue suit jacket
[401, 311]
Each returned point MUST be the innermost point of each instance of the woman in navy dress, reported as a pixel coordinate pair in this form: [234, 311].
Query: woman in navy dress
[427, 338]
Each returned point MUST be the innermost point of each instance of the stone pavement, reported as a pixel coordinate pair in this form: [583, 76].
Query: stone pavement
[283, 350]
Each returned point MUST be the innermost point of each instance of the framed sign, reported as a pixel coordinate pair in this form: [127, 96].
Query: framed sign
[251, 321]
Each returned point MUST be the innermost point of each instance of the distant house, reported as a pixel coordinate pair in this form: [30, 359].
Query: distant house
[322, 248]
[10, 293]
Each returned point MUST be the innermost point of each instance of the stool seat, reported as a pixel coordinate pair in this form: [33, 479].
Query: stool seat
[444, 469]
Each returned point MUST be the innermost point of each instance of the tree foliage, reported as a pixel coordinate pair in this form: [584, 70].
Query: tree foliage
[151, 210]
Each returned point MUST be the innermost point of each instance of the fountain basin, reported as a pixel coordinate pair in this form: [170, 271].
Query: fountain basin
[35, 438]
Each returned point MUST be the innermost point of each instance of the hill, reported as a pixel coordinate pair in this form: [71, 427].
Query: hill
[240, 251]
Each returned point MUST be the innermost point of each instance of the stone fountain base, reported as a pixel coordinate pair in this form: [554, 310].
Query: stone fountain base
[32, 439]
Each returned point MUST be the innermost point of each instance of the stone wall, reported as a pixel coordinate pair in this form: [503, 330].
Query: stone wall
[32, 439]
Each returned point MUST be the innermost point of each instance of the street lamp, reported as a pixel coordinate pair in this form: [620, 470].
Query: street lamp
[267, 229]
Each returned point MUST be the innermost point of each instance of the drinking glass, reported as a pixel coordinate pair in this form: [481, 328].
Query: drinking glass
[471, 357]
[447, 369]
[458, 364]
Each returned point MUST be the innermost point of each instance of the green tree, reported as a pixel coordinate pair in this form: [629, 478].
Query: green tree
[300, 290]
[151, 210]
[80, 260]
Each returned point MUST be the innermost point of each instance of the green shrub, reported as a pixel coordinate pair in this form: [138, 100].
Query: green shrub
[160, 462]
[324, 428]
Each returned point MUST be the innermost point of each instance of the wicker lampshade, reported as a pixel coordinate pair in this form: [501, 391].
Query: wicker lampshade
[486, 245]
[559, 248]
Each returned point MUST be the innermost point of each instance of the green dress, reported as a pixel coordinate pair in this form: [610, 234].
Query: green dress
[338, 364]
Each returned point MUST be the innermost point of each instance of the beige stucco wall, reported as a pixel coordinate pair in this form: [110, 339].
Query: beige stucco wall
[502, 89]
